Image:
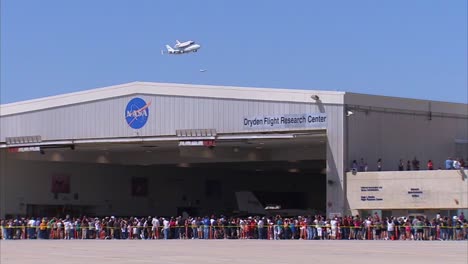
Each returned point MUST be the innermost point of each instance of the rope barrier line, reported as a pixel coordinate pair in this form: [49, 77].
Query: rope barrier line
[237, 226]
[273, 232]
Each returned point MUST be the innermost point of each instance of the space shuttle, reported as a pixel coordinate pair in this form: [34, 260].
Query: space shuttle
[181, 45]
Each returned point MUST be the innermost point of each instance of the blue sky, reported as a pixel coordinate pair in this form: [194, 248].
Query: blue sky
[404, 48]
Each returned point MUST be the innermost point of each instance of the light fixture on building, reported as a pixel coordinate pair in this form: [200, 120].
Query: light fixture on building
[349, 113]
[315, 97]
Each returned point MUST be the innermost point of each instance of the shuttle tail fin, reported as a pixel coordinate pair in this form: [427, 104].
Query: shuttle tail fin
[178, 42]
[248, 202]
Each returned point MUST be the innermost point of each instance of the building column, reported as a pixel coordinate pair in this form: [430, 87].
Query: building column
[336, 196]
[3, 183]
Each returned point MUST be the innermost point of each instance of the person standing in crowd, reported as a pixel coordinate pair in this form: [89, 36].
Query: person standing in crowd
[415, 164]
[155, 227]
[390, 229]
[166, 228]
[43, 230]
[456, 164]
[408, 165]
[379, 164]
[430, 165]
[206, 227]
[449, 163]
[401, 166]
[362, 165]
[32, 228]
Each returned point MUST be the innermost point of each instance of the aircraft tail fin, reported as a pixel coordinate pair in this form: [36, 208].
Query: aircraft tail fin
[247, 202]
[169, 49]
[178, 42]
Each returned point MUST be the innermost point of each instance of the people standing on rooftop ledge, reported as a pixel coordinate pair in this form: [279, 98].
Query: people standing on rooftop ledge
[430, 165]
[415, 163]
[450, 164]
[401, 165]
[454, 164]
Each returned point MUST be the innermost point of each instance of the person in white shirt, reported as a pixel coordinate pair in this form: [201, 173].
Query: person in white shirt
[390, 229]
[333, 224]
[155, 227]
[242, 225]
[97, 225]
[261, 230]
[166, 228]
[32, 229]
[193, 222]
[367, 233]
[67, 225]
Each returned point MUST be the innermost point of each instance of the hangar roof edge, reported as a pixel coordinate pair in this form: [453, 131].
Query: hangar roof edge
[409, 104]
[172, 89]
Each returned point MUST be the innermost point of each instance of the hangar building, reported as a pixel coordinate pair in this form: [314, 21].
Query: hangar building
[161, 149]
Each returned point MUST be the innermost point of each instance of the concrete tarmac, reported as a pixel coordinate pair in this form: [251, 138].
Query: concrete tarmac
[231, 251]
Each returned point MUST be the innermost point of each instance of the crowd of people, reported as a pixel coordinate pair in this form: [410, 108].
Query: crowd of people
[414, 164]
[316, 227]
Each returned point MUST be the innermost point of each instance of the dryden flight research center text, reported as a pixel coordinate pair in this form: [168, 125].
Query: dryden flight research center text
[286, 121]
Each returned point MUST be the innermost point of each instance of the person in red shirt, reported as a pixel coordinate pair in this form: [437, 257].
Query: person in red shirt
[430, 165]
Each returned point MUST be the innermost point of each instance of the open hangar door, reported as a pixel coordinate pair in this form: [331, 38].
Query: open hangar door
[168, 178]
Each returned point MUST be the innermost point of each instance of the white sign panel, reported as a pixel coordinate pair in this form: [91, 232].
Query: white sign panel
[286, 121]
[407, 189]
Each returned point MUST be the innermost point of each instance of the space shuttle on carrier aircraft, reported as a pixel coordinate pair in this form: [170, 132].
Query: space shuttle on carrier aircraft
[182, 47]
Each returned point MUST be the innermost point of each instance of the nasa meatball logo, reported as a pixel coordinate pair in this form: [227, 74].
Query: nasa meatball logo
[137, 112]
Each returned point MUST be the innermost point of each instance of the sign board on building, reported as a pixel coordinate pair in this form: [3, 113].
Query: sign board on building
[203, 143]
[24, 149]
[286, 121]
[407, 189]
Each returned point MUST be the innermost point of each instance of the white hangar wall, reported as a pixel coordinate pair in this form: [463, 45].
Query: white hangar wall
[399, 128]
[166, 114]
